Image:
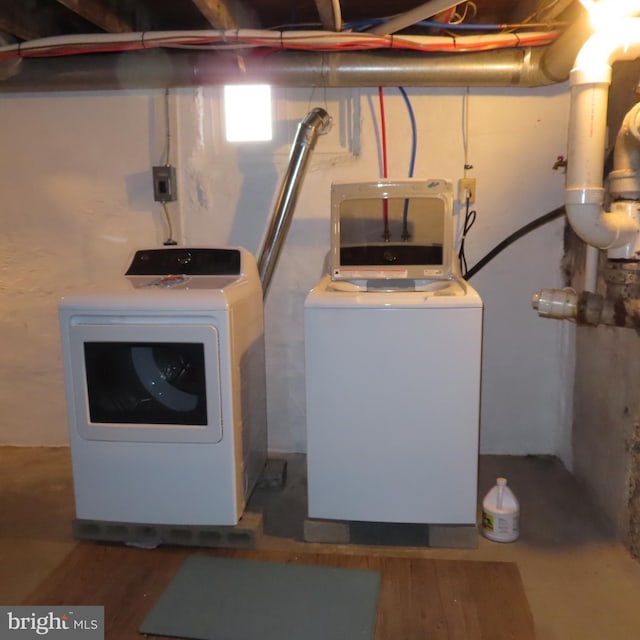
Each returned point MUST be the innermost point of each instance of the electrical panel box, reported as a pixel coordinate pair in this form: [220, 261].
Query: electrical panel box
[164, 183]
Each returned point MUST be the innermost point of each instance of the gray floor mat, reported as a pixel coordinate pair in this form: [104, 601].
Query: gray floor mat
[235, 599]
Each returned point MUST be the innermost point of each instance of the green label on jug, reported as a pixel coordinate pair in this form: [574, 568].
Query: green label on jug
[487, 521]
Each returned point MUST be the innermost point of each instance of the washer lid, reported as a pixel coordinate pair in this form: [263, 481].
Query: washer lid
[392, 230]
[440, 294]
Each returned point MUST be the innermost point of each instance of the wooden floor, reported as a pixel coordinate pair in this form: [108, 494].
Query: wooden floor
[579, 581]
[420, 598]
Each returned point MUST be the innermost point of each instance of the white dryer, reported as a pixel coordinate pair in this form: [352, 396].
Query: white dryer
[393, 355]
[165, 388]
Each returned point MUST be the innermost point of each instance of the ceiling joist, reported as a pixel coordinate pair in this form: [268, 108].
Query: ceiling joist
[217, 12]
[30, 20]
[100, 14]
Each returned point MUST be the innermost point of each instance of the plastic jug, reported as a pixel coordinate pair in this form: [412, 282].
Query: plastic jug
[500, 513]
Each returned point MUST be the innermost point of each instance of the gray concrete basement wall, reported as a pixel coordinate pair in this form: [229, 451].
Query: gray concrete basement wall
[606, 399]
[606, 414]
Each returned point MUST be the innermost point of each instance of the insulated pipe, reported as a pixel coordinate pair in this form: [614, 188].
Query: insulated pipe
[584, 194]
[315, 123]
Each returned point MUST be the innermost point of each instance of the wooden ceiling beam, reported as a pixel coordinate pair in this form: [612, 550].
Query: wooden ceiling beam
[29, 20]
[552, 11]
[100, 13]
[20, 29]
[217, 12]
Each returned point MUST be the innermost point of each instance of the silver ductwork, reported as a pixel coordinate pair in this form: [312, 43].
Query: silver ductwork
[315, 123]
[158, 69]
[161, 68]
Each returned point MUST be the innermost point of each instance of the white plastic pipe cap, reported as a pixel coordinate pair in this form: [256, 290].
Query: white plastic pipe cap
[555, 303]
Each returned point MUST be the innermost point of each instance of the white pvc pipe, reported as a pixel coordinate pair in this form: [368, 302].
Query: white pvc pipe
[624, 180]
[590, 80]
[592, 258]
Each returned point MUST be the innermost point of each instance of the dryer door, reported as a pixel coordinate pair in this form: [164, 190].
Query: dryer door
[146, 382]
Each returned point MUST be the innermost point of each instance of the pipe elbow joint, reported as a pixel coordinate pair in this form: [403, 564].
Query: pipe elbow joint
[584, 208]
[318, 121]
[601, 229]
[603, 48]
[590, 69]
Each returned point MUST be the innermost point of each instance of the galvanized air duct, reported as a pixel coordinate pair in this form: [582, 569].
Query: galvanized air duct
[315, 123]
[161, 68]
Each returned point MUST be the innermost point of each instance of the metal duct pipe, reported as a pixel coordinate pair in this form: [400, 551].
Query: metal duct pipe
[315, 123]
[158, 68]
[556, 60]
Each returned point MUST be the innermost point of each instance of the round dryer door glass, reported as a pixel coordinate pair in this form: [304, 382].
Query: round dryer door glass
[146, 383]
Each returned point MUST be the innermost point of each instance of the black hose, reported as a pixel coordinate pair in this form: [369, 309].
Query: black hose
[516, 235]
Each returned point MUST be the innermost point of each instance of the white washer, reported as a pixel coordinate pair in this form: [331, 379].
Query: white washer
[165, 388]
[393, 396]
[392, 369]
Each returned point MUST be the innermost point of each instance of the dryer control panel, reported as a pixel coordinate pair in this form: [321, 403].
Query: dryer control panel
[186, 262]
